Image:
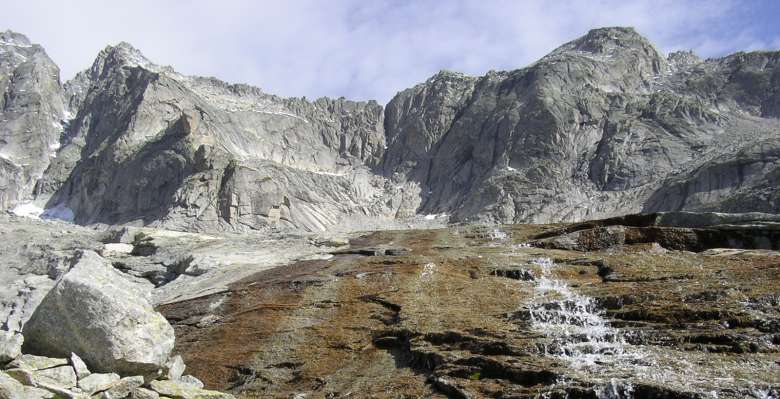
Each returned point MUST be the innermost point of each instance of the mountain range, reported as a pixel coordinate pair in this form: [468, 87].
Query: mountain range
[602, 126]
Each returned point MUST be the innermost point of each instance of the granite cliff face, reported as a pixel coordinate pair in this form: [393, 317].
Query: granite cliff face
[157, 146]
[32, 113]
[602, 126]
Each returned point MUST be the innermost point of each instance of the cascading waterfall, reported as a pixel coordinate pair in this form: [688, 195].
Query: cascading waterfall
[580, 335]
[573, 321]
[577, 331]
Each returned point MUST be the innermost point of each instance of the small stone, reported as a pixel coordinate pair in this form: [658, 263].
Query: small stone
[24, 376]
[176, 389]
[10, 346]
[123, 388]
[331, 241]
[117, 249]
[125, 235]
[143, 393]
[98, 382]
[36, 393]
[79, 366]
[62, 393]
[63, 376]
[10, 387]
[175, 368]
[192, 381]
[208, 320]
[32, 362]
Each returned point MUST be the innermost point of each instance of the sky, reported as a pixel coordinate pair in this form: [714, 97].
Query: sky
[371, 49]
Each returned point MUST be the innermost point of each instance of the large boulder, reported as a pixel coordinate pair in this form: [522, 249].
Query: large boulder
[94, 312]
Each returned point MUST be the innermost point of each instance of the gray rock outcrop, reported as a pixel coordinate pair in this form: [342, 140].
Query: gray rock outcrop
[670, 230]
[94, 312]
[33, 114]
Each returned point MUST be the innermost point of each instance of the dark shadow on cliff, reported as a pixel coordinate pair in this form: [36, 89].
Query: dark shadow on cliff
[141, 187]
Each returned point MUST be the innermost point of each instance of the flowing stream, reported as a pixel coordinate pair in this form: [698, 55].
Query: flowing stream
[577, 333]
[572, 321]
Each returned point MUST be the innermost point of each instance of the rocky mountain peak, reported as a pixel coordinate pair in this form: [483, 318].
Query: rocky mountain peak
[602, 39]
[445, 74]
[610, 43]
[123, 54]
[113, 59]
[11, 38]
[683, 59]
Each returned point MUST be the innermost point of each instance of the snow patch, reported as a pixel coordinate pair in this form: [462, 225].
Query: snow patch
[28, 210]
[7, 43]
[328, 173]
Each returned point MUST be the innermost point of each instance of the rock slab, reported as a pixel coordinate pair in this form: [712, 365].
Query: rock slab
[179, 390]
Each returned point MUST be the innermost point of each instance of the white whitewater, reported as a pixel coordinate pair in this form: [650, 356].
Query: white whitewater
[572, 321]
[579, 335]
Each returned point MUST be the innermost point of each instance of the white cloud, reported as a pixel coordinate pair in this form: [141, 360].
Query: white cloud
[361, 49]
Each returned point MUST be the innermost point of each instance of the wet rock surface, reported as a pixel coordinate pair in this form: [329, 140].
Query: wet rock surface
[671, 230]
[473, 312]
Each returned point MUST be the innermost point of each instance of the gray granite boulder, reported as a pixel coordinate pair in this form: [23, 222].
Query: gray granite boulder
[93, 311]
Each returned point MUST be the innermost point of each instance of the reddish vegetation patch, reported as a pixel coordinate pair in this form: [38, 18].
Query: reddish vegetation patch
[448, 317]
[251, 311]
